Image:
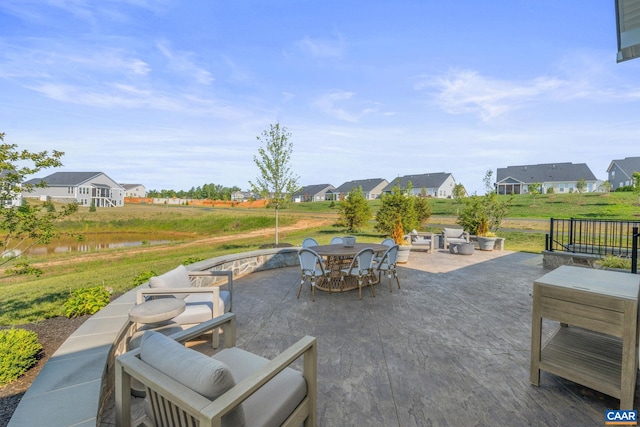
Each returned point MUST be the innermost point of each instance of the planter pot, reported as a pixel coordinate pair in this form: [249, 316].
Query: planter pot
[461, 248]
[486, 243]
[348, 241]
[403, 254]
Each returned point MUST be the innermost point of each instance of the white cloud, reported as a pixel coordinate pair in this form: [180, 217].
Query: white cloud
[182, 62]
[321, 48]
[460, 92]
[335, 104]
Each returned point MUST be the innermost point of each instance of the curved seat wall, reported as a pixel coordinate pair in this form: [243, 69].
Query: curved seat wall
[75, 383]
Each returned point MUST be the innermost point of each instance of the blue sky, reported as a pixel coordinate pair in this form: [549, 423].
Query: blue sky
[172, 94]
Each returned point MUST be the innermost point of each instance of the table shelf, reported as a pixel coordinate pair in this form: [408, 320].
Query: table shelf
[585, 357]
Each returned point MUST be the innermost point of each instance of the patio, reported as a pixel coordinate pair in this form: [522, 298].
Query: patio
[451, 347]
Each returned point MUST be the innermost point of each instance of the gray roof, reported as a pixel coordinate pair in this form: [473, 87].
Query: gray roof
[313, 189]
[130, 186]
[548, 172]
[65, 179]
[366, 184]
[628, 165]
[425, 180]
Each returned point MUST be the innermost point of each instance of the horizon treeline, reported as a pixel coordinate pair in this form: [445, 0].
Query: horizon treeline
[206, 191]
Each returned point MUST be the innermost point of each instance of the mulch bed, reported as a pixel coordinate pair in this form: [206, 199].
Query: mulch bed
[51, 334]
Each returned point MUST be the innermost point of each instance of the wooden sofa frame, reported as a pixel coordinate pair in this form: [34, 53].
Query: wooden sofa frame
[183, 403]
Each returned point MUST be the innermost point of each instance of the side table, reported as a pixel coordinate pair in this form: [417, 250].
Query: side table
[596, 344]
[155, 314]
[157, 311]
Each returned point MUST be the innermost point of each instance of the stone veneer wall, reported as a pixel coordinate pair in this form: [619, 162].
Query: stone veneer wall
[555, 259]
[75, 383]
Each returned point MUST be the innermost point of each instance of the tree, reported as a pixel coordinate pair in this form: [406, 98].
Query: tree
[534, 189]
[581, 185]
[636, 183]
[23, 224]
[458, 193]
[354, 210]
[484, 214]
[276, 182]
[412, 210]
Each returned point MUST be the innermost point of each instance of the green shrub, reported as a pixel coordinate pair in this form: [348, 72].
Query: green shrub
[143, 277]
[18, 351]
[87, 301]
[192, 260]
[611, 261]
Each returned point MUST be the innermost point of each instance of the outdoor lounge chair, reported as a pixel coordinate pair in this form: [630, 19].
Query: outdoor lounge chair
[231, 388]
[454, 235]
[422, 240]
[204, 300]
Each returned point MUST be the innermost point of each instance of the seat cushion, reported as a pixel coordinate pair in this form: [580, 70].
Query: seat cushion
[276, 400]
[200, 308]
[204, 375]
[176, 278]
[452, 232]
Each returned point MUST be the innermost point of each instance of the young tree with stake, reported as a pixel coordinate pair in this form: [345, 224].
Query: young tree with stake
[276, 181]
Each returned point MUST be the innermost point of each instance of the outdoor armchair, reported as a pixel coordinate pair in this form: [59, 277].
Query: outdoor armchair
[204, 299]
[454, 235]
[231, 388]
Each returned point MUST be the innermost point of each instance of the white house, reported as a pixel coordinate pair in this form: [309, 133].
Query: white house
[80, 187]
[562, 177]
[439, 184]
[312, 193]
[134, 190]
[621, 171]
[372, 189]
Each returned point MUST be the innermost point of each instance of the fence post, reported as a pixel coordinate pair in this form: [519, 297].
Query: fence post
[549, 237]
[634, 251]
[571, 225]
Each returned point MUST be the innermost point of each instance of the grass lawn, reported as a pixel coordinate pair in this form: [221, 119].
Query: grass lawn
[27, 299]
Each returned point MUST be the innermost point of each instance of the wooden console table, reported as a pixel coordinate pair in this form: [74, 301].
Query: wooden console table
[596, 344]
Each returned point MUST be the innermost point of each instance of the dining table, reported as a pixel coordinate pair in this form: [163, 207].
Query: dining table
[338, 257]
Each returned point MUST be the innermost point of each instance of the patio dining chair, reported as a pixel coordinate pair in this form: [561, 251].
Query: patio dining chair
[387, 242]
[387, 265]
[361, 268]
[308, 242]
[312, 269]
[336, 241]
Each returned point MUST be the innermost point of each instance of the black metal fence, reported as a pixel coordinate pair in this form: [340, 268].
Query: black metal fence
[596, 237]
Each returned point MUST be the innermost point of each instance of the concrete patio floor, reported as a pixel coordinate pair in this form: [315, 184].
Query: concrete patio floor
[450, 348]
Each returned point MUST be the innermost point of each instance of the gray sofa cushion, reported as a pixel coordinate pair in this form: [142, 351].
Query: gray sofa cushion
[206, 376]
[276, 400]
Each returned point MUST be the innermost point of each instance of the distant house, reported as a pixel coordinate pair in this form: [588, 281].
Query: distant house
[80, 187]
[621, 171]
[243, 196]
[372, 189]
[134, 190]
[10, 198]
[438, 184]
[562, 177]
[312, 193]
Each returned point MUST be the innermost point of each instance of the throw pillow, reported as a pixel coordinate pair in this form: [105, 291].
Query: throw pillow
[176, 278]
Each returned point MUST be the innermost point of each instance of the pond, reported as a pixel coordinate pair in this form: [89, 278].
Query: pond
[93, 242]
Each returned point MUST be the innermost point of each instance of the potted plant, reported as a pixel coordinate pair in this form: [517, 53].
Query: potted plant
[404, 246]
[482, 216]
[486, 239]
[400, 212]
